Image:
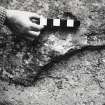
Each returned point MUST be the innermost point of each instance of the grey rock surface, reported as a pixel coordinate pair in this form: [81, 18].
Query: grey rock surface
[24, 60]
[70, 65]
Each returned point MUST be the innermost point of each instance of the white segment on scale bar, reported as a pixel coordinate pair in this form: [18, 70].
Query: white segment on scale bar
[56, 22]
[70, 23]
[43, 21]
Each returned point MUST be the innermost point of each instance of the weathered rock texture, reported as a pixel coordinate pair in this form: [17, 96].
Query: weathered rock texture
[71, 64]
[23, 60]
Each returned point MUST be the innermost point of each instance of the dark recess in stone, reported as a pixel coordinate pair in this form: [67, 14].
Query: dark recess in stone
[45, 71]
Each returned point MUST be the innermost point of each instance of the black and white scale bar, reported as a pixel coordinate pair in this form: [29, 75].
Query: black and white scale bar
[69, 23]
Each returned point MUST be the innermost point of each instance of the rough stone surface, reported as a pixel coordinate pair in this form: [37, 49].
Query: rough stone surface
[24, 60]
[69, 66]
